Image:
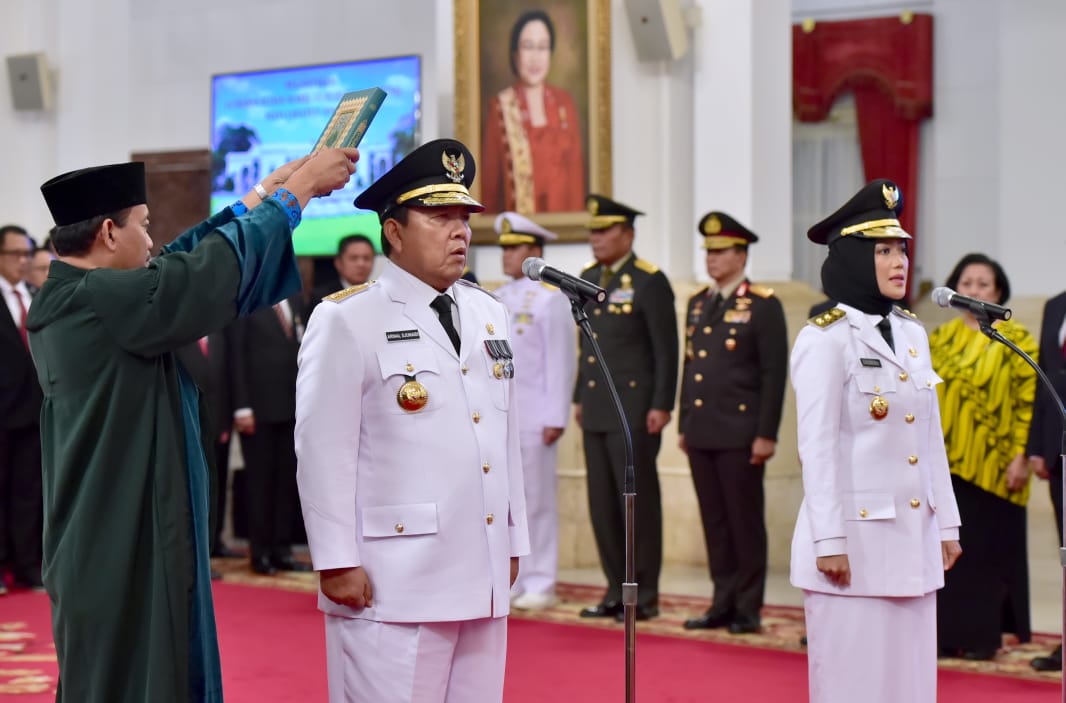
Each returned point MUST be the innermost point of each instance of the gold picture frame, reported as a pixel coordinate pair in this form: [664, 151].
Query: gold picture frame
[593, 91]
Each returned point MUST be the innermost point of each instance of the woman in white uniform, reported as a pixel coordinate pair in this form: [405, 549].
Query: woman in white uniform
[878, 525]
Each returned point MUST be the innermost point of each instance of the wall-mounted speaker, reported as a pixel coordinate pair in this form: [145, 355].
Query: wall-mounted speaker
[31, 88]
[659, 29]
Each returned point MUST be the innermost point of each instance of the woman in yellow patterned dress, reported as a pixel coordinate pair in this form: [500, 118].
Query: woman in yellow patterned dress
[986, 404]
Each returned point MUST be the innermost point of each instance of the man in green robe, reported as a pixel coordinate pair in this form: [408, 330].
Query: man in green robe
[126, 555]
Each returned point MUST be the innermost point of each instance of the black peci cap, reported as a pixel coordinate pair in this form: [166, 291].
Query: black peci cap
[436, 174]
[872, 213]
[100, 190]
[720, 231]
[605, 212]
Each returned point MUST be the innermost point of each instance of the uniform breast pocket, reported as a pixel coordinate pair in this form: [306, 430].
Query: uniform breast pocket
[862, 507]
[400, 520]
[925, 381]
[410, 380]
[875, 392]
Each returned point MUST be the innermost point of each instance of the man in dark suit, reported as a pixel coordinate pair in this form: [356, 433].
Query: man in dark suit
[205, 360]
[1045, 429]
[354, 264]
[732, 391]
[20, 407]
[636, 327]
[262, 350]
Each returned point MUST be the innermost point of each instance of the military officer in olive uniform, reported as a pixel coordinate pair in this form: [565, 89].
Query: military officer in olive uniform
[732, 390]
[636, 327]
[410, 471]
[545, 347]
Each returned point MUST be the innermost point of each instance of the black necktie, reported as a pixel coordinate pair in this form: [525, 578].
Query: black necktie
[716, 304]
[886, 331]
[443, 305]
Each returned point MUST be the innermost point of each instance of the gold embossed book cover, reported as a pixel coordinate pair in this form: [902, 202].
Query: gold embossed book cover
[350, 120]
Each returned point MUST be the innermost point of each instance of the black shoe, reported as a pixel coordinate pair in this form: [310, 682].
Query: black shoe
[644, 612]
[289, 564]
[744, 625]
[1052, 662]
[606, 609]
[31, 582]
[262, 565]
[709, 621]
[979, 655]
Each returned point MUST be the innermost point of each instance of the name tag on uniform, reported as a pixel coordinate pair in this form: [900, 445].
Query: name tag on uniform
[401, 335]
[871, 363]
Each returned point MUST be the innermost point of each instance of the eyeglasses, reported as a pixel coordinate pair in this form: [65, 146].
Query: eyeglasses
[19, 253]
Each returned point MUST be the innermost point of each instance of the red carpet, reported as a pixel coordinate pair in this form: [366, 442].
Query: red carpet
[272, 650]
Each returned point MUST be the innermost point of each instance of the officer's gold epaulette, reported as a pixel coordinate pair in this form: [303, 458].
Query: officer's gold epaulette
[589, 266]
[761, 291]
[700, 292]
[475, 286]
[905, 312]
[646, 266]
[827, 318]
[347, 292]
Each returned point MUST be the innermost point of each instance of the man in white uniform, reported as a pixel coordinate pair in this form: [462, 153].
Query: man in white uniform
[410, 471]
[545, 347]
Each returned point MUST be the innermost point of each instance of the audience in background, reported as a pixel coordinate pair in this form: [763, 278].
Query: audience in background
[986, 403]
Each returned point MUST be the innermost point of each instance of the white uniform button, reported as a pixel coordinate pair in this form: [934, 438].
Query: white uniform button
[477, 417]
[863, 512]
[903, 376]
[489, 518]
[909, 418]
[912, 460]
[485, 468]
[915, 503]
[399, 527]
[464, 369]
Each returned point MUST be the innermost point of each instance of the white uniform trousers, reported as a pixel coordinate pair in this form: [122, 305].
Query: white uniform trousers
[439, 662]
[537, 571]
[874, 650]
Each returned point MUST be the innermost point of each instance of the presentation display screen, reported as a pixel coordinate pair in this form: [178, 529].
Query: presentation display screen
[263, 119]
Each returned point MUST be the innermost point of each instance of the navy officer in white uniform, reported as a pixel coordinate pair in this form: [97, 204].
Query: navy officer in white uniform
[410, 472]
[545, 345]
[878, 525]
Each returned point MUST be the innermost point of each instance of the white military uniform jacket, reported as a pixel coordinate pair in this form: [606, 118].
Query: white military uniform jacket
[878, 490]
[544, 338]
[429, 502]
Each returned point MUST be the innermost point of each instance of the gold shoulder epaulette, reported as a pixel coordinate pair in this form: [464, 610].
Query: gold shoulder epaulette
[646, 266]
[905, 311]
[475, 286]
[761, 291]
[347, 292]
[827, 318]
[590, 265]
[701, 291]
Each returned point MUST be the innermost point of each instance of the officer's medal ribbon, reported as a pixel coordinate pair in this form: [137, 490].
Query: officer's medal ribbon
[500, 352]
[412, 395]
[879, 408]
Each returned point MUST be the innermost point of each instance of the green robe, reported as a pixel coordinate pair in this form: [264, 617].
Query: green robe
[125, 477]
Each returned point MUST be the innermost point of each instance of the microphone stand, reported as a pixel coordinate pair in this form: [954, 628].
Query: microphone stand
[986, 326]
[629, 494]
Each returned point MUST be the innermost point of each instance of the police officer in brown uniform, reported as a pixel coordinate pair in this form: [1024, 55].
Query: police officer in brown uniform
[732, 390]
[636, 327]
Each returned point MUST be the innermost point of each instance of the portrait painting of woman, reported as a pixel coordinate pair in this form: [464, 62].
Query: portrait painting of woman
[532, 155]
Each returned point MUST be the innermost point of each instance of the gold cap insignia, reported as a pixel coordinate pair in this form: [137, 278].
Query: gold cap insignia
[453, 166]
[891, 194]
[593, 207]
[714, 225]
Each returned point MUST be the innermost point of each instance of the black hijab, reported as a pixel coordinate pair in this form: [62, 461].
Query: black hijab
[849, 276]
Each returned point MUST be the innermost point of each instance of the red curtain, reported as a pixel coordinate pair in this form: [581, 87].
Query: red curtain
[887, 63]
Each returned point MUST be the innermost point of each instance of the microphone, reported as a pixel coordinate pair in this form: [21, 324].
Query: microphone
[538, 270]
[947, 298]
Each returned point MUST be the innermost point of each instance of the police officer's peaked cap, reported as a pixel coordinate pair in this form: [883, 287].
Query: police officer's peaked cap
[720, 231]
[436, 174]
[872, 213]
[515, 229]
[604, 212]
[89, 192]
